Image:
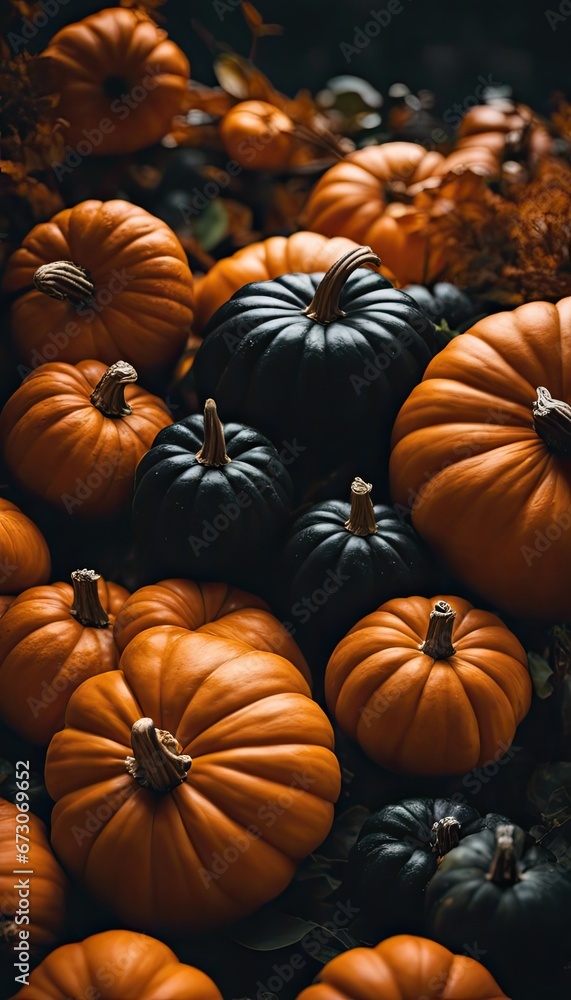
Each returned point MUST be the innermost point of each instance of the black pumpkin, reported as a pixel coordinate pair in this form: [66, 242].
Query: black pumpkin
[511, 899]
[398, 851]
[445, 301]
[321, 362]
[211, 502]
[340, 562]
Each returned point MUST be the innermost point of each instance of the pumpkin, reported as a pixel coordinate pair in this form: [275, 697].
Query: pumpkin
[429, 686]
[214, 608]
[74, 434]
[103, 280]
[362, 198]
[302, 252]
[444, 303]
[341, 559]
[117, 964]
[403, 968]
[257, 135]
[120, 82]
[181, 389]
[211, 501]
[45, 902]
[481, 459]
[24, 554]
[318, 363]
[211, 774]
[512, 898]
[504, 129]
[398, 851]
[5, 602]
[51, 639]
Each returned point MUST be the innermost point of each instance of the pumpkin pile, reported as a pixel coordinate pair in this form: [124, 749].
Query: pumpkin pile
[285, 547]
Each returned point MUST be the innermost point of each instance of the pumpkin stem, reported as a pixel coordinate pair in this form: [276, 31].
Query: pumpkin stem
[552, 421]
[109, 393]
[362, 520]
[63, 279]
[438, 642]
[86, 605]
[504, 869]
[445, 835]
[213, 451]
[324, 306]
[158, 762]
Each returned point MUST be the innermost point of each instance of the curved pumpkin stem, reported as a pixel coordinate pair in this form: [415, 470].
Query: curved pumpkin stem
[445, 835]
[552, 422]
[213, 451]
[362, 520]
[438, 642]
[158, 762]
[109, 393]
[504, 869]
[324, 306]
[63, 279]
[86, 605]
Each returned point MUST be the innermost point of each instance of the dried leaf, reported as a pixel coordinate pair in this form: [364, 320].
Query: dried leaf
[255, 22]
[541, 673]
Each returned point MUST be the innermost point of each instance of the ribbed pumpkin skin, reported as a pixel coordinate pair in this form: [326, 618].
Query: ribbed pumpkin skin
[176, 498]
[47, 884]
[110, 46]
[141, 275]
[443, 301]
[255, 736]
[257, 135]
[214, 608]
[403, 968]
[332, 390]
[486, 493]
[24, 553]
[117, 965]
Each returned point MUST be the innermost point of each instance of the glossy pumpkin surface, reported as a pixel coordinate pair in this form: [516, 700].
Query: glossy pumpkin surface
[24, 554]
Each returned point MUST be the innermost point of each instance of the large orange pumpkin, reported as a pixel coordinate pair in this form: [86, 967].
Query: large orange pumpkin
[215, 608]
[190, 783]
[24, 554]
[257, 135]
[429, 685]
[120, 81]
[481, 457]
[403, 968]
[102, 280]
[360, 198]
[74, 435]
[117, 965]
[51, 639]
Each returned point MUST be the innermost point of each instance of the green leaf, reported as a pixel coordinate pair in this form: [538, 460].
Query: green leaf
[211, 226]
[549, 791]
[269, 929]
[541, 673]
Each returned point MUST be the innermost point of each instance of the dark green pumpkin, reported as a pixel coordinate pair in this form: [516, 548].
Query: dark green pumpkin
[320, 362]
[445, 302]
[510, 899]
[397, 853]
[211, 502]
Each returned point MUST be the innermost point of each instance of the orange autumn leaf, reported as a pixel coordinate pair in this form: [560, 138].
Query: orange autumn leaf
[256, 24]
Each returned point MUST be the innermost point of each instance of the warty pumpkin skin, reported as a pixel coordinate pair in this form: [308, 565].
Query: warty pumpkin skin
[117, 67]
[114, 285]
[215, 608]
[51, 639]
[247, 780]
[429, 686]
[257, 135]
[481, 458]
[403, 968]
[74, 434]
[24, 554]
[47, 889]
[117, 965]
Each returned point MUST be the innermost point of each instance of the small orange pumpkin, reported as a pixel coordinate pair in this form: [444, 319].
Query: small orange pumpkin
[24, 554]
[257, 135]
[491, 126]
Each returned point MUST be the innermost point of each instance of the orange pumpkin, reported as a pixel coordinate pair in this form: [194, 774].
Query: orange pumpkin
[51, 639]
[257, 135]
[45, 904]
[74, 435]
[403, 968]
[481, 459]
[24, 554]
[120, 81]
[215, 608]
[303, 252]
[117, 964]
[429, 685]
[492, 126]
[362, 198]
[102, 280]
[5, 602]
[210, 772]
